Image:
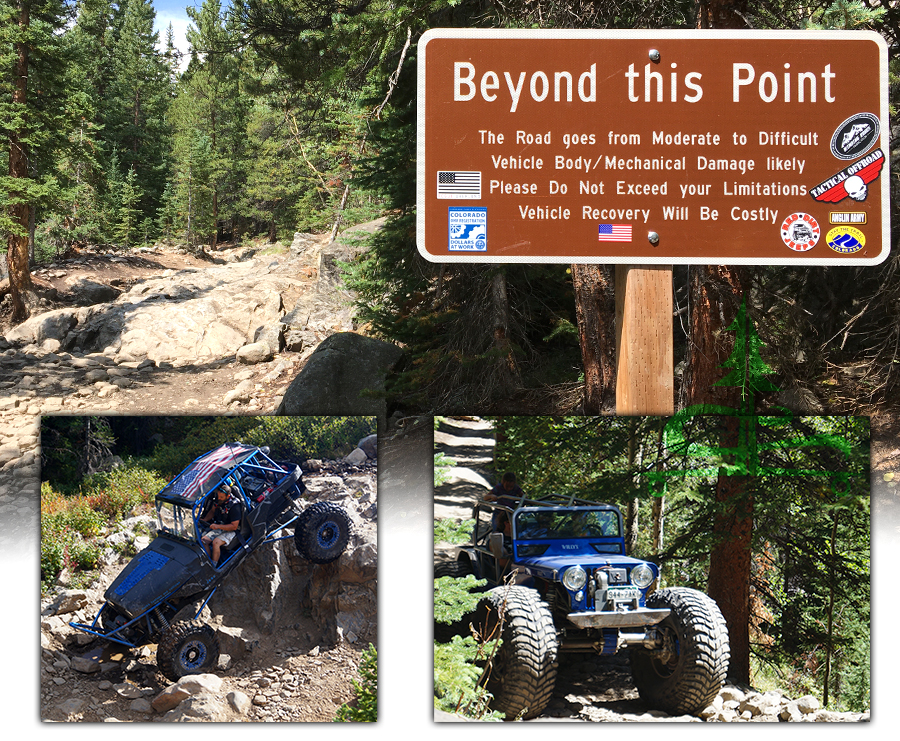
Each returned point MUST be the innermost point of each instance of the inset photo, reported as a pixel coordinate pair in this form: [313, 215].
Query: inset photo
[219, 569]
[695, 568]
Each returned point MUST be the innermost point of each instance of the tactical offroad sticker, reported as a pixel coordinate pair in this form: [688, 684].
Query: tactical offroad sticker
[851, 182]
[467, 229]
[855, 136]
[845, 239]
[800, 232]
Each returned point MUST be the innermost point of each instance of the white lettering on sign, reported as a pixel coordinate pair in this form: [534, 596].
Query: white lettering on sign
[743, 74]
[560, 86]
[654, 81]
[539, 85]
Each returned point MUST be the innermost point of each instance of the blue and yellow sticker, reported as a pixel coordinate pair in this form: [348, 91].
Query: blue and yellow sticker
[845, 239]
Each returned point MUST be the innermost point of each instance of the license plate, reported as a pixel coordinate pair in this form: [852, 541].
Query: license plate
[623, 594]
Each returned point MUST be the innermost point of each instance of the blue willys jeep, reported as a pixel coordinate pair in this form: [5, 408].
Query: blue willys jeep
[175, 574]
[561, 582]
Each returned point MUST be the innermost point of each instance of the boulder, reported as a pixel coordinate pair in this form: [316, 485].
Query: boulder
[199, 709]
[356, 457]
[194, 684]
[343, 376]
[255, 352]
[369, 445]
[53, 325]
[89, 292]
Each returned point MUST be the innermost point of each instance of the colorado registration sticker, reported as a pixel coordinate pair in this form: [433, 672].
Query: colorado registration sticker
[467, 229]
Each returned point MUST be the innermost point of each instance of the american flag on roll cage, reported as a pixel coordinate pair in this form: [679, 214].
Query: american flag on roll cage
[190, 483]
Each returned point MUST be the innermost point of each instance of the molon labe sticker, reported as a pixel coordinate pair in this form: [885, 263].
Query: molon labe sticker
[855, 136]
[852, 181]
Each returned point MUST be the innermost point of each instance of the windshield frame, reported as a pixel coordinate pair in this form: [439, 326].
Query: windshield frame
[567, 523]
[176, 521]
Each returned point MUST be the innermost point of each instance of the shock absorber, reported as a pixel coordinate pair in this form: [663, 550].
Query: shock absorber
[161, 618]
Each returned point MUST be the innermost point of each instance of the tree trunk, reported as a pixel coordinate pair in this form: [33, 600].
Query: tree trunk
[729, 565]
[595, 311]
[507, 369]
[716, 293]
[632, 513]
[659, 501]
[20, 211]
[715, 297]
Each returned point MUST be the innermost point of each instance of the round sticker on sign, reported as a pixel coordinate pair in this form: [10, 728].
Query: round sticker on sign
[800, 232]
[845, 239]
[855, 136]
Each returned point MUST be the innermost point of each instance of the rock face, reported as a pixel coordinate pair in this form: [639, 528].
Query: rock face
[343, 376]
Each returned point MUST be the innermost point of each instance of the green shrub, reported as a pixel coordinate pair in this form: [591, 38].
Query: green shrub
[442, 466]
[453, 532]
[310, 437]
[119, 492]
[365, 707]
[456, 664]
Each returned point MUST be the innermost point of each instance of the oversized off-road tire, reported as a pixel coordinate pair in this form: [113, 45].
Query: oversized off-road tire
[456, 569]
[689, 677]
[323, 532]
[186, 648]
[522, 674]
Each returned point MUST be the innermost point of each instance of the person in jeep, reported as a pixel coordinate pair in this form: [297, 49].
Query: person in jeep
[224, 518]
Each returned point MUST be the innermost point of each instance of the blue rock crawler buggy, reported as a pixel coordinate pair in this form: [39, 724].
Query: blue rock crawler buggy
[561, 582]
[174, 572]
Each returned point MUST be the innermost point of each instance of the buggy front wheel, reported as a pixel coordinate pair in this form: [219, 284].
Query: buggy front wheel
[187, 647]
[323, 532]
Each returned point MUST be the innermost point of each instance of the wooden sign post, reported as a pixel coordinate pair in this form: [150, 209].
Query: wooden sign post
[644, 355]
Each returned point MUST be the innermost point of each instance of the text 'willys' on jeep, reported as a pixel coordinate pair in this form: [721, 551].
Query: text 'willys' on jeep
[159, 595]
[560, 582]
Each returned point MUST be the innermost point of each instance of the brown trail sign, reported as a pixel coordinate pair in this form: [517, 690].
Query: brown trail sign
[648, 149]
[700, 147]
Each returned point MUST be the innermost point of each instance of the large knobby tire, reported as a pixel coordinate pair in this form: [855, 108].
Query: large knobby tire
[456, 569]
[323, 532]
[522, 674]
[186, 648]
[695, 672]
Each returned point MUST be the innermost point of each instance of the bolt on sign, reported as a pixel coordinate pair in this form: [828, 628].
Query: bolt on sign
[664, 147]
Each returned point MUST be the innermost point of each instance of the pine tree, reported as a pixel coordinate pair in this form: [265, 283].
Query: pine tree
[31, 91]
[137, 101]
[213, 80]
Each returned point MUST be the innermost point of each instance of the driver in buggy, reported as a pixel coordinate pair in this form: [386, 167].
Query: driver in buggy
[223, 518]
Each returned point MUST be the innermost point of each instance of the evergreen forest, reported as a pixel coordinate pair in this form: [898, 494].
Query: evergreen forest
[299, 115]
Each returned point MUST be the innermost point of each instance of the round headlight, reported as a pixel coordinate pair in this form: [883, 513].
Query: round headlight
[574, 578]
[642, 576]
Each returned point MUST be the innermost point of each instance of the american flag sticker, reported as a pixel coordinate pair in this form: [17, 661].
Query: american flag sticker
[615, 232]
[458, 185]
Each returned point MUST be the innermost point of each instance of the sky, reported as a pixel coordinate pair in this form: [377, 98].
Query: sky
[172, 11]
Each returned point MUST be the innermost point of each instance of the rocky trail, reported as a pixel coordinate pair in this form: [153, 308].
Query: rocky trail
[291, 633]
[159, 331]
[599, 688]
